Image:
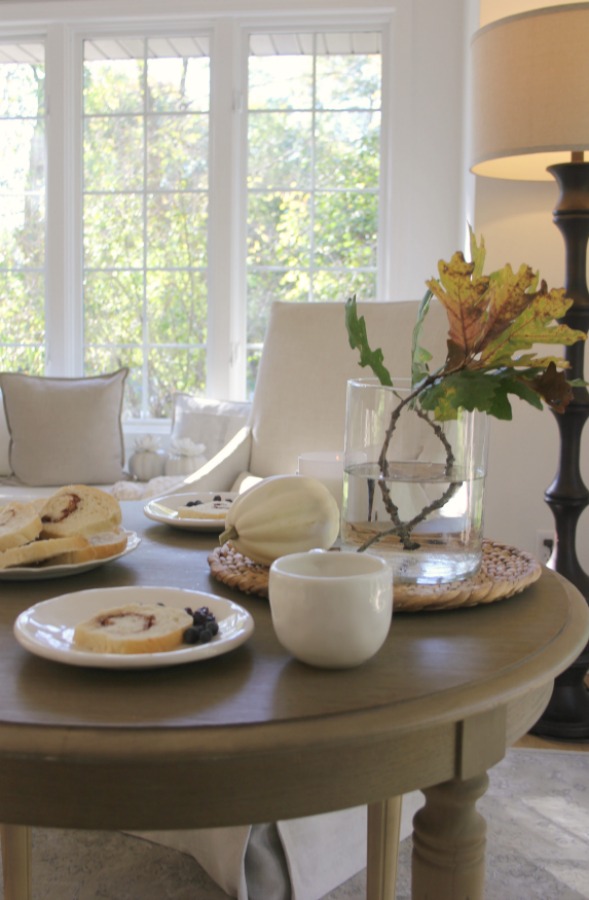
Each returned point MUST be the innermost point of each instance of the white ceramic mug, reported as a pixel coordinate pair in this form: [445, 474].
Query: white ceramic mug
[331, 609]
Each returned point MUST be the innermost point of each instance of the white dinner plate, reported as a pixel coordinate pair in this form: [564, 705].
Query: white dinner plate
[47, 629]
[165, 510]
[42, 572]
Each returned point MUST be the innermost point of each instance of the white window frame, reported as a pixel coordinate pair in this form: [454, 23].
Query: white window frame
[65, 25]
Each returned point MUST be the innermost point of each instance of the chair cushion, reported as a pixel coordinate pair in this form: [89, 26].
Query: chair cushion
[65, 430]
[209, 422]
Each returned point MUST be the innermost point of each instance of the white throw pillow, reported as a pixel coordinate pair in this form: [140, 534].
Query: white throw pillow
[208, 422]
[65, 430]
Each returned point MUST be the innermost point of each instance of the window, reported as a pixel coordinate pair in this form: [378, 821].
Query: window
[207, 170]
[145, 209]
[313, 171]
[22, 206]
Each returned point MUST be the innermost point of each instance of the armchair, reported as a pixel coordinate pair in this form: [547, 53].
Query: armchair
[299, 401]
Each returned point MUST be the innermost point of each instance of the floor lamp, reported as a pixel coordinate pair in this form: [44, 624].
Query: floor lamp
[530, 121]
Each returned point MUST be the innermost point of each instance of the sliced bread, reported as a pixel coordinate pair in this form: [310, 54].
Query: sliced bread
[99, 546]
[133, 628]
[19, 524]
[40, 551]
[79, 509]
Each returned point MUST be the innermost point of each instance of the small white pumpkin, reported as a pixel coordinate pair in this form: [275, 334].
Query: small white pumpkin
[148, 461]
[185, 457]
[280, 515]
[182, 465]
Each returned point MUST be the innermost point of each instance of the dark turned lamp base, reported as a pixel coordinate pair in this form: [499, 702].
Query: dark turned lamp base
[567, 715]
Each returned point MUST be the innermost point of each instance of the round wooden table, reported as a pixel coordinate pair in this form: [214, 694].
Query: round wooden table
[254, 736]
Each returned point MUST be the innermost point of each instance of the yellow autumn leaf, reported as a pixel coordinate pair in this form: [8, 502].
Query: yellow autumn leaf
[535, 324]
[462, 294]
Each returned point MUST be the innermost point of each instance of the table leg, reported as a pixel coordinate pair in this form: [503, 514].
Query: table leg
[16, 861]
[384, 827]
[449, 842]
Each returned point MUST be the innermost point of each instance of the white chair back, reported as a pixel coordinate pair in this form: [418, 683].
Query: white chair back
[300, 397]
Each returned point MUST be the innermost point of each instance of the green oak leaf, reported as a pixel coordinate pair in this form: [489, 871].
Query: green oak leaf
[358, 338]
[462, 390]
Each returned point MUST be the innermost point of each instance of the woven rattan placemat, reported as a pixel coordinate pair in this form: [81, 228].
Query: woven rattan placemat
[504, 572]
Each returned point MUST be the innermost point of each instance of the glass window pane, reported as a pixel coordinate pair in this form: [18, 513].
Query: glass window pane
[348, 82]
[345, 229]
[264, 286]
[280, 150]
[113, 307]
[146, 176]
[112, 147]
[99, 358]
[174, 369]
[178, 84]
[347, 149]
[113, 85]
[23, 312]
[279, 229]
[113, 230]
[280, 82]
[177, 230]
[314, 133]
[177, 303]
[22, 90]
[339, 286]
[178, 152]
[22, 207]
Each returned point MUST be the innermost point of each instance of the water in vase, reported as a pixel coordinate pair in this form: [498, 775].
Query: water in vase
[444, 546]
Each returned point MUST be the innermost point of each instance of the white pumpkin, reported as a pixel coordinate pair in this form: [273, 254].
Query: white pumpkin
[182, 465]
[280, 515]
[147, 464]
[185, 457]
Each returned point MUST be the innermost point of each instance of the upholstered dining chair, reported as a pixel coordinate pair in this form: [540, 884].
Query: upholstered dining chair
[298, 407]
[299, 399]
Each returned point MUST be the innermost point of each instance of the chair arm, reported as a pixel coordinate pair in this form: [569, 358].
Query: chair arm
[221, 471]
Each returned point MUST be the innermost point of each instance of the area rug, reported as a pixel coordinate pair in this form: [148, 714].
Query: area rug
[537, 812]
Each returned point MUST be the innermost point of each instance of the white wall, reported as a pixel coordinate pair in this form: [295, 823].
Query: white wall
[427, 199]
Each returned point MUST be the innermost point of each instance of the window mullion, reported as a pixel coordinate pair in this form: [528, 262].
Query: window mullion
[226, 360]
[145, 311]
[63, 236]
[312, 197]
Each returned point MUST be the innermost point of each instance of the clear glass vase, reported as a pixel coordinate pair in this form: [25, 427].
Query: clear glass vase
[413, 487]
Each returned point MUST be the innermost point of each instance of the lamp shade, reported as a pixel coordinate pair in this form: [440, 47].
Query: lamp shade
[530, 92]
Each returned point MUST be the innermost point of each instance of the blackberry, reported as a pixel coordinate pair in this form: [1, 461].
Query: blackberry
[191, 635]
[204, 626]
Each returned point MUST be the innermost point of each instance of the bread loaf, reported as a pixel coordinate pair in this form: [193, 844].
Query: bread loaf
[133, 628]
[19, 524]
[39, 551]
[98, 546]
[79, 509]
